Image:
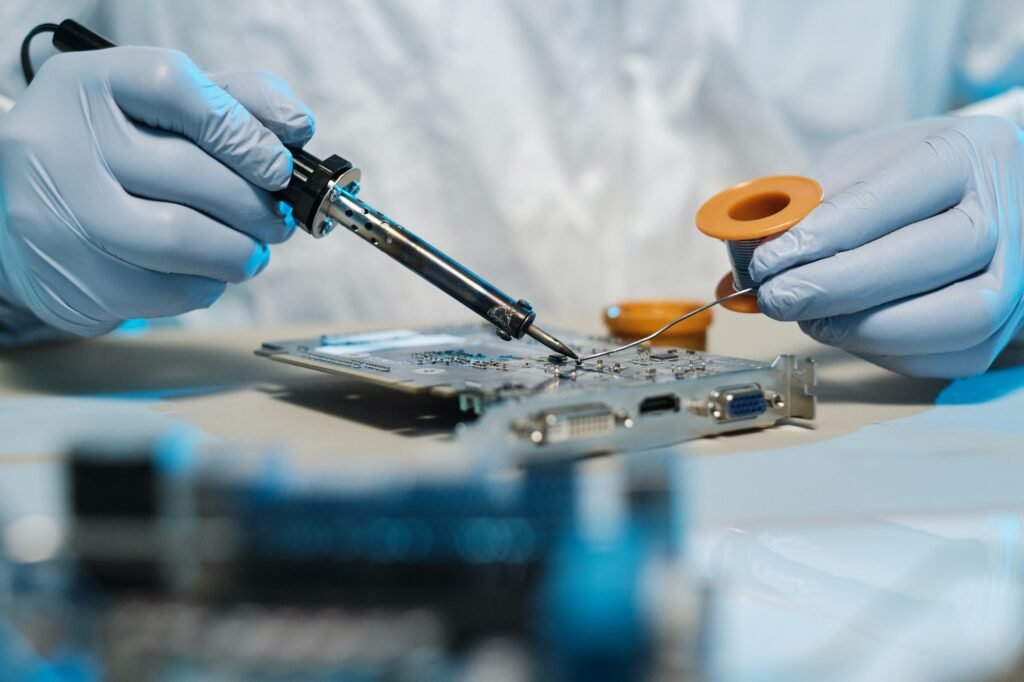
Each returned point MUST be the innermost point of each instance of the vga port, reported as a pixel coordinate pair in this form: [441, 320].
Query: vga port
[564, 424]
[735, 403]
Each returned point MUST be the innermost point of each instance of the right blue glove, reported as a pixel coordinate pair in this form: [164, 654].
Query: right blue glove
[915, 260]
[134, 185]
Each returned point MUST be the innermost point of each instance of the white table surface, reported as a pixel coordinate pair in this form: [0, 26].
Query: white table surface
[884, 543]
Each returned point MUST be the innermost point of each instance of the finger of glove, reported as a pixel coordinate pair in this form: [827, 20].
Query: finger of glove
[97, 290]
[163, 166]
[844, 163]
[954, 365]
[166, 90]
[926, 180]
[267, 97]
[913, 260]
[174, 294]
[170, 238]
[954, 318]
[147, 294]
[970, 361]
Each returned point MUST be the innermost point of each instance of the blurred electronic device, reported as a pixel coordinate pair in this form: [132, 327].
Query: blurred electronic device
[181, 566]
[536, 405]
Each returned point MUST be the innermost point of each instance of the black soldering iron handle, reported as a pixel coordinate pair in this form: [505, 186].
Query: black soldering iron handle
[71, 36]
[311, 177]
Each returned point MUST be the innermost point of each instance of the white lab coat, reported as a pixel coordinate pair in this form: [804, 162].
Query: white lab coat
[558, 147]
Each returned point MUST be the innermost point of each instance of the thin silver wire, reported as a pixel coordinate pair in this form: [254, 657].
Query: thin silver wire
[741, 292]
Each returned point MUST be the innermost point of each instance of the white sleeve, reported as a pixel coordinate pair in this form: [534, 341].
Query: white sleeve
[1009, 104]
[991, 60]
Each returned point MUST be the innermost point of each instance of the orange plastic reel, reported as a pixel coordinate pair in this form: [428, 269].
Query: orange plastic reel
[756, 209]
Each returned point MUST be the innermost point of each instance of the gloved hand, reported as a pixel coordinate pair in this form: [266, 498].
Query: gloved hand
[134, 185]
[915, 260]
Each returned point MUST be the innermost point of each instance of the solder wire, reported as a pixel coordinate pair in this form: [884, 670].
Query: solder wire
[649, 337]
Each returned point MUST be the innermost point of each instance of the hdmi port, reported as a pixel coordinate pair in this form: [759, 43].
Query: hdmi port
[657, 404]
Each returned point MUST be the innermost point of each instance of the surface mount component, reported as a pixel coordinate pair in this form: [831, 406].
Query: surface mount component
[536, 405]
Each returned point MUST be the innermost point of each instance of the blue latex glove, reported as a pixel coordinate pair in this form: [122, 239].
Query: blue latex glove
[914, 260]
[134, 185]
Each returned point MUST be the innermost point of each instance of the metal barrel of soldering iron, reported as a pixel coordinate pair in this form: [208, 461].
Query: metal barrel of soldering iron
[322, 194]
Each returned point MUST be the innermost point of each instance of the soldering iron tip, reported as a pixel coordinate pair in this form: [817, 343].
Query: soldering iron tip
[551, 342]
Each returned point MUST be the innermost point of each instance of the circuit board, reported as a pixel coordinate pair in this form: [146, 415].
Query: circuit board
[545, 403]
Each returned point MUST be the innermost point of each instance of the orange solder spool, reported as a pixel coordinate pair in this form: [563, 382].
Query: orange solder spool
[745, 216]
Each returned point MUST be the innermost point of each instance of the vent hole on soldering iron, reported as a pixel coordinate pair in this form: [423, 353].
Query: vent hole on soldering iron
[759, 206]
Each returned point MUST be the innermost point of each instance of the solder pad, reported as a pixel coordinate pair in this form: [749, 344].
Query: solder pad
[519, 385]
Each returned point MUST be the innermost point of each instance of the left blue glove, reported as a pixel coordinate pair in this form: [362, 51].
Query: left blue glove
[915, 259]
[134, 185]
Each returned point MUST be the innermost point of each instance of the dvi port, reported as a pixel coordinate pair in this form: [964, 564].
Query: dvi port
[564, 424]
[734, 403]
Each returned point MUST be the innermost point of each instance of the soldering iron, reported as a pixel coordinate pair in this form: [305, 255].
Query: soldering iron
[322, 194]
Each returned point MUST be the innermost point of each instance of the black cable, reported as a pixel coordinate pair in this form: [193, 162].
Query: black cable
[26, 57]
